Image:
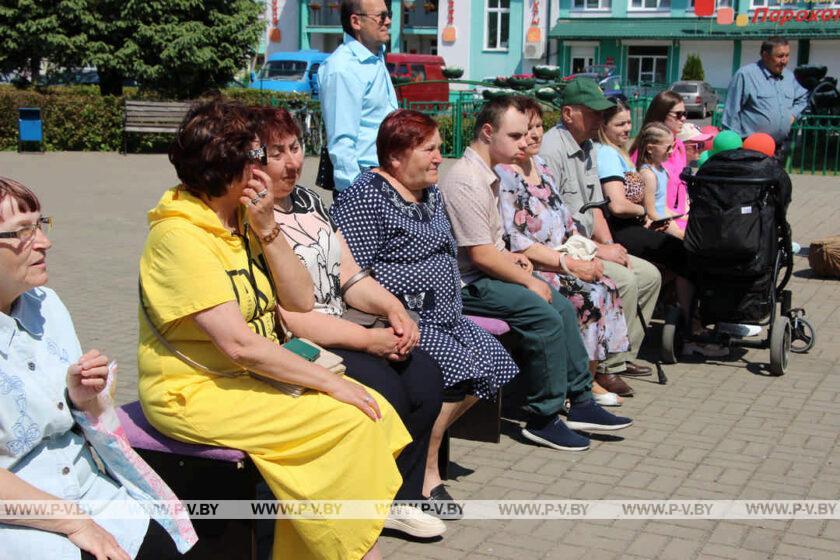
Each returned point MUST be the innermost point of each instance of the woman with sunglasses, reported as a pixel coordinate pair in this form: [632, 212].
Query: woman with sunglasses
[54, 406]
[668, 108]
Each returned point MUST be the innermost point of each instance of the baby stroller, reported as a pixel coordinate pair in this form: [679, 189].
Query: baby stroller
[738, 244]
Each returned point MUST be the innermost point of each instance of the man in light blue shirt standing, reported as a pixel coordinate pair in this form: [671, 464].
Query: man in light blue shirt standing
[764, 96]
[356, 90]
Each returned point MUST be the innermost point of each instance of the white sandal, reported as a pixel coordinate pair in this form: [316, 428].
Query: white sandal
[607, 399]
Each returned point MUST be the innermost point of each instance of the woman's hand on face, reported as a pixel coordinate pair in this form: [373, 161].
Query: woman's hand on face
[87, 378]
[406, 329]
[95, 540]
[259, 202]
[383, 343]
[355, 394]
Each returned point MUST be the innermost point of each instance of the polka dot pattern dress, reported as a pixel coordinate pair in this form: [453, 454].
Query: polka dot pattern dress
[410, 248]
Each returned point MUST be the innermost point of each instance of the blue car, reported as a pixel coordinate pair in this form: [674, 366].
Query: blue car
[290, 71]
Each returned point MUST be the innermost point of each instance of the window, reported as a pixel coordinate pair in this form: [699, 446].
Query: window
[285, 70]
[765, 4]
[647, 65]
[592, 5]
[497, 25]
[650, 4]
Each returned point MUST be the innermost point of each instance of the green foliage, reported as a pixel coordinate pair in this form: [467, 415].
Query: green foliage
[180, 48]
[35, 30]
[77, 118]
[693, 69]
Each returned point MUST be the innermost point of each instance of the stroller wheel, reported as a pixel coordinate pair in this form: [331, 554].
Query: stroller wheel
[802, 336]
[671, 340]
[779, 345]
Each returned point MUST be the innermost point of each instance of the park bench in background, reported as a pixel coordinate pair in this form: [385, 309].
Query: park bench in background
[152, 117]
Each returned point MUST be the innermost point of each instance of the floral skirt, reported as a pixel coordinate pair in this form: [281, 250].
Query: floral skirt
[598, 305]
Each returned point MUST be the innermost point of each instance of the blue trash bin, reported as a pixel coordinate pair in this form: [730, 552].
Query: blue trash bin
[30, 128]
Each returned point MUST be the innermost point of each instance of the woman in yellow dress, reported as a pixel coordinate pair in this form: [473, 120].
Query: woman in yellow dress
[213, 263]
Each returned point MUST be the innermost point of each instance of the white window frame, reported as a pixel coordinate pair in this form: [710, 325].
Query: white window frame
[603, 6]
[755, 4]
[655, 57]
[499, 12]
[658, 8]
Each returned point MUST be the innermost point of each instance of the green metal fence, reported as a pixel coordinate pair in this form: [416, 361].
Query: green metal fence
[815, 146]
[455, 121]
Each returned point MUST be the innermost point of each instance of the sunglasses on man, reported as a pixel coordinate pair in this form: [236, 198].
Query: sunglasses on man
[383, 16]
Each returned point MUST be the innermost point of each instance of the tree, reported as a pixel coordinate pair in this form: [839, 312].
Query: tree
[180, 48]
[693, 69]
[32, 31]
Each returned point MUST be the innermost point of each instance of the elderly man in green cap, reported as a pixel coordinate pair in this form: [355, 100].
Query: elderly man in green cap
[569, 153]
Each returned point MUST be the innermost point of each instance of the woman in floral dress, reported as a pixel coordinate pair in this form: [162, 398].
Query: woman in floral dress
[537, 223]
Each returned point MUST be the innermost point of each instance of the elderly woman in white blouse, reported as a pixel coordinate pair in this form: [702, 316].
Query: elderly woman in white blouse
[51, 398]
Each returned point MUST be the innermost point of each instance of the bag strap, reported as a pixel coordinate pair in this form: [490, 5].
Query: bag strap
[174, 351]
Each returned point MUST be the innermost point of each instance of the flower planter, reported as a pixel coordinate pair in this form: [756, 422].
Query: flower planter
[546, 72]
[452, 72]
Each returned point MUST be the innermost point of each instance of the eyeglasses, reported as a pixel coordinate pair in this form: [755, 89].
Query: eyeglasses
[259, 155]
[386, 15]
[678, 114]
[26, 233]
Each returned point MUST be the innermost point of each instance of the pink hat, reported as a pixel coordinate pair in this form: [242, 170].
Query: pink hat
[690, 133]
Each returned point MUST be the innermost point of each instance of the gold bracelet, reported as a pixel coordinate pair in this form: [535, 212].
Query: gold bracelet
[266, 239]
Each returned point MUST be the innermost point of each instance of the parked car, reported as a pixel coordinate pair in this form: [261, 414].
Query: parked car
[411, 69]
[290, 71]
[611, 85]
[699, 97]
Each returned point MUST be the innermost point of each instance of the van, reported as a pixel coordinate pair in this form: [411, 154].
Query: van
[290, 71]
[415, 70]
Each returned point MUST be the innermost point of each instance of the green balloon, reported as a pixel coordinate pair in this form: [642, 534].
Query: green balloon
[727, 140]
[704, 156]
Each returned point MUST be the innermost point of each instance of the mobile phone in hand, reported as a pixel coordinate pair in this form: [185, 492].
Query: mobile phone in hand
[656, 224]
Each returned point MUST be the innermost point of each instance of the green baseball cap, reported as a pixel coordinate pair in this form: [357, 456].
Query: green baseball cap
[585, 91]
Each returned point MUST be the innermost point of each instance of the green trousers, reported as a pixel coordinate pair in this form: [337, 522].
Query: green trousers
[549, 349]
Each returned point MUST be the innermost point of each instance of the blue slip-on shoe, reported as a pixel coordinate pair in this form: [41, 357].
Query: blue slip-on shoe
[554, 433]
[588, 415]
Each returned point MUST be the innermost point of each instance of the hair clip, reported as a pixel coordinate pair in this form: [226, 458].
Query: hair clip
[258, 154]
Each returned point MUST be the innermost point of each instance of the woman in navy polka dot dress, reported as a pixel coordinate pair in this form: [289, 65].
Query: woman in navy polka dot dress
[395, 224]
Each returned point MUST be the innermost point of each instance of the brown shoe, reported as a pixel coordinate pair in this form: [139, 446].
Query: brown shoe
[614, 384]
[635, 370]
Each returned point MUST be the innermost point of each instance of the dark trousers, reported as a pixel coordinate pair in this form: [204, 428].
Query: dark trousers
[157, 545]
[552, 357]
[653, 246]
[414, 388]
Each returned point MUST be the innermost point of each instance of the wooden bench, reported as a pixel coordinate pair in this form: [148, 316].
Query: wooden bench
[152, 117]
[483, 421]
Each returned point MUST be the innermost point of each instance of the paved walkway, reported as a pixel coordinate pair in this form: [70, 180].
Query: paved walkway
[716, 431]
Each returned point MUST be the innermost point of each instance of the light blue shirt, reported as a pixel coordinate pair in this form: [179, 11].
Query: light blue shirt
[610, 162]
[37, 344]
[759, 101]
[661, 188]
[356, 96]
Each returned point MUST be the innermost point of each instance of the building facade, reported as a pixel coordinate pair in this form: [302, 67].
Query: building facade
[648, 41]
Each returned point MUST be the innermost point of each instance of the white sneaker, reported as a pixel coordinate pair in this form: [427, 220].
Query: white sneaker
[706, 350]
[411, 521]
[737, 329]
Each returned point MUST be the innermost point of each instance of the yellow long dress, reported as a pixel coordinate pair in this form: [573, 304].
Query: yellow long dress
[312, 447]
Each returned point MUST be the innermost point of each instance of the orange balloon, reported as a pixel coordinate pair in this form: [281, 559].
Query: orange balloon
[760, 142]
